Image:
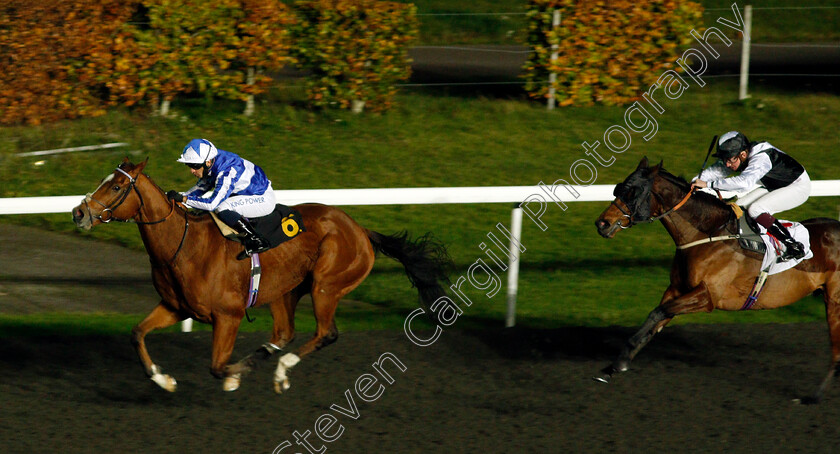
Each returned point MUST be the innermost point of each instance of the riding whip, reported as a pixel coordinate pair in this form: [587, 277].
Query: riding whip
[711, 147]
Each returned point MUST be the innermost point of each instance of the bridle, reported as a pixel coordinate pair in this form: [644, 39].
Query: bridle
[132, 185]
[631, 215]
[122, 198]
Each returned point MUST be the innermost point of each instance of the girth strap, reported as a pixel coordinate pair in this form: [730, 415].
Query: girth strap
[732, 236]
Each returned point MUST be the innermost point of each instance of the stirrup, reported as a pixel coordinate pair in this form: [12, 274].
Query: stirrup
[247, 252]
[793, 251]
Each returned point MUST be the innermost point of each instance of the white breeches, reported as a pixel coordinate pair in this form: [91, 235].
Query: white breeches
[250, 206]
[761, 200]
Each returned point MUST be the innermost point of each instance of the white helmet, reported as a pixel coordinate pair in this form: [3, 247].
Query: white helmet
[197, 152]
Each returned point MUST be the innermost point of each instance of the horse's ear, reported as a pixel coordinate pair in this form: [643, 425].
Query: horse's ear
[643, 164]
[139, 167]
[655, 169]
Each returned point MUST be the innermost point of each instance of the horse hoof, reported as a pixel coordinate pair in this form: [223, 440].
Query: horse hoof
[232, 382]
[602, 378]
[281, 380]
[621, 365]
[165, 381]
[284, 385]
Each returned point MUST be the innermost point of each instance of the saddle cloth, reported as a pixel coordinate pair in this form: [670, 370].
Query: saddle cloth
[772, 245]
[283, 224]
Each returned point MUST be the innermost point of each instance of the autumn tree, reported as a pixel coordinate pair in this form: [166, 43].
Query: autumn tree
[607, 51]
[357, 50]
[47, 52]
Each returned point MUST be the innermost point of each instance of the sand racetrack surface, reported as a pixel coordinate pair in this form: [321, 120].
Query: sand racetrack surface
[695, 388]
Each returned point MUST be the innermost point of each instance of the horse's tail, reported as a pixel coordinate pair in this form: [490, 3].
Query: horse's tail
[426, 262]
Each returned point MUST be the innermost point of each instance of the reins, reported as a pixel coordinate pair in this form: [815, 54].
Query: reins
[680, 204]
[633, 222]
[674, 208]
[133, 186]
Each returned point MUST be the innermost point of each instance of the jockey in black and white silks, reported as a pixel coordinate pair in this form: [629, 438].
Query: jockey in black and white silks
[783, 183]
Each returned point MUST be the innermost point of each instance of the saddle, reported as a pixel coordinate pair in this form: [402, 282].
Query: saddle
[752, 239]
[750, 235]
[283, 224]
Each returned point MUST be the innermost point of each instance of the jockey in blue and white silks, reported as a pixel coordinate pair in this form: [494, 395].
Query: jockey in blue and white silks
[234, 188]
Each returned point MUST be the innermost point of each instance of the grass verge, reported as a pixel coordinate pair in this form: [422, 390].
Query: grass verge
[569, 275]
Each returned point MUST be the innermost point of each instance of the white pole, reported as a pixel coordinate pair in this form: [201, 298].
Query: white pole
[513, 270]
[186, 325]
[552, 77]
[68, 150]
[745, 53]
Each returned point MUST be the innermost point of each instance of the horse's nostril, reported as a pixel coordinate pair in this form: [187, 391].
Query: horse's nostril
[601, 224]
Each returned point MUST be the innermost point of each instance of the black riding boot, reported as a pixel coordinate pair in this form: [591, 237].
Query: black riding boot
[253, 241]
[793, 249]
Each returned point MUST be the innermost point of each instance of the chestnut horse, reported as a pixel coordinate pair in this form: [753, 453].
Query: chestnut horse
[195, 271]
[717, 275]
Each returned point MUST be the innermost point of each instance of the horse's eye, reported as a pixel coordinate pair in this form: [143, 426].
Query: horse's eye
[115, 188]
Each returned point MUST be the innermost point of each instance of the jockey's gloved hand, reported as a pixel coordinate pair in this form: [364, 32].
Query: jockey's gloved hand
[174, 195]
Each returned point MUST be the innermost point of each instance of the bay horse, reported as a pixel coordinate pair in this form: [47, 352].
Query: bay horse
[196, 274]
[717, 275]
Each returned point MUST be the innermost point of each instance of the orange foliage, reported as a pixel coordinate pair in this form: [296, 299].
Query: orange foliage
[73, 58]
[609, 51]
[45, 50]
[357, 50]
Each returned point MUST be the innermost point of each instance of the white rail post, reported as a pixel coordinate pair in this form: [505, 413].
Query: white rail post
[745, 53]
[552, 76]
[186, 325]
[513, 268]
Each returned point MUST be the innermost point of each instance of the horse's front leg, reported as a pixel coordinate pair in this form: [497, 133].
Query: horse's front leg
[657, 319]
[161, 316]
[672, 305]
